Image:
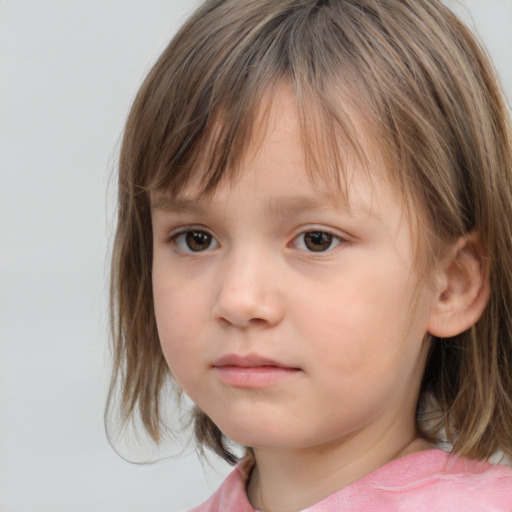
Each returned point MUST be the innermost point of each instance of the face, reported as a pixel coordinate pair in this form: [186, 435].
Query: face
[286, 314]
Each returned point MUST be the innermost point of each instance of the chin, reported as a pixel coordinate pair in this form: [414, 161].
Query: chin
[258, 435]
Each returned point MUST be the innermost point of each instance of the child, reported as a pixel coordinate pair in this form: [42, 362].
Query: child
[314, 242]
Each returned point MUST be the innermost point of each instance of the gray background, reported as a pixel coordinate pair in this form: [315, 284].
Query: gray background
[68, 72]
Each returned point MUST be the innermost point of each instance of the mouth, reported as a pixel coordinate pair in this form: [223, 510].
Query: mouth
[252, 371]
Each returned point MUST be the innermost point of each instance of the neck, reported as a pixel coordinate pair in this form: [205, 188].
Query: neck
[292, 480]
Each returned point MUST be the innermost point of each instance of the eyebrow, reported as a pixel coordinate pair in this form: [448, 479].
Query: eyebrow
[282, 206]
[277, 206]
[177, 204]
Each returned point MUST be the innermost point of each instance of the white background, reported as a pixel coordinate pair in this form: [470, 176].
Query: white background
[68, 72]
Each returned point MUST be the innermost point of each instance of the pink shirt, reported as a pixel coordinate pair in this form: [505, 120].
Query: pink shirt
[429, 481]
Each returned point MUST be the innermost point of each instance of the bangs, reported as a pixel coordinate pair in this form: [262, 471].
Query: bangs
[212, 105]
[334, 143]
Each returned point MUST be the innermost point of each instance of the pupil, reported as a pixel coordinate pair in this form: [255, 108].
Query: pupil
[318, 241]
[198, 240]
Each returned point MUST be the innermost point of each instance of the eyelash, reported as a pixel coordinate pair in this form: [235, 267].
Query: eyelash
[326, 240]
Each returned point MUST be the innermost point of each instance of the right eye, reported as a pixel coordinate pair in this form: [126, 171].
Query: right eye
[195, 240]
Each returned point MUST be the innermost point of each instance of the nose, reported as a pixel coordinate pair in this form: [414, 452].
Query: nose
[248, 293]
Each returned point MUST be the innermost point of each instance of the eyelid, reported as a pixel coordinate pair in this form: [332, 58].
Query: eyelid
[188, 227]
[342, 235]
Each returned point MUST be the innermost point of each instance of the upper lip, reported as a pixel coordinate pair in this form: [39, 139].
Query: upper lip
[247, 361]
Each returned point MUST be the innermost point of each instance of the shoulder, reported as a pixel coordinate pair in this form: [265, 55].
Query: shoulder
[473, 485]
[430, 481]
[231, 495]
[436, 480]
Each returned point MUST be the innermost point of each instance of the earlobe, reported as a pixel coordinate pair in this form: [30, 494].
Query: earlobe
[463, 290]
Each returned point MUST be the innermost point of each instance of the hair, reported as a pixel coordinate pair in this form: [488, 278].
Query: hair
[424, 85]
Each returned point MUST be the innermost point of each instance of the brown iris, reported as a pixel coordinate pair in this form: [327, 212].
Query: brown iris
[198, 240]
[317, 241]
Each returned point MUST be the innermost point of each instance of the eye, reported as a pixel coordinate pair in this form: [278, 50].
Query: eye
[195, 240]
[316, 241]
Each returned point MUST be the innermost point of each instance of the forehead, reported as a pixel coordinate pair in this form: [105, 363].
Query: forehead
[290, 166]
[337, 155]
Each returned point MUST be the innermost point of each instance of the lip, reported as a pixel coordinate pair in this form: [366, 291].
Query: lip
[252, 371]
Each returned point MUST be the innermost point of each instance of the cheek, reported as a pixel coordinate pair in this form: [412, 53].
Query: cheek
[367, 316]
[180, 314]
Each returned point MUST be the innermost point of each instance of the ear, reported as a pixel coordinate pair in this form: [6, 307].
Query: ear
[463, 288]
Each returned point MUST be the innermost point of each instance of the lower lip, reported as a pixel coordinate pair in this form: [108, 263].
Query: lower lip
[254, 377]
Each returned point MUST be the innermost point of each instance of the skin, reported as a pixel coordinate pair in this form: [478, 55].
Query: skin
[339, 320]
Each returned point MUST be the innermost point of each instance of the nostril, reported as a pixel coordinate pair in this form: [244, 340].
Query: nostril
[257, 321]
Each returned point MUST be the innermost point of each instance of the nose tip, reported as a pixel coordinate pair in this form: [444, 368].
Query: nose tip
[248, 305]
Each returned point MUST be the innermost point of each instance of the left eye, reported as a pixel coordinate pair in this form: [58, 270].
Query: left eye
[195, 240]
[316, 241]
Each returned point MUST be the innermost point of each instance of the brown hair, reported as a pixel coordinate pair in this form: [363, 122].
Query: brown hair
[425, 86]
